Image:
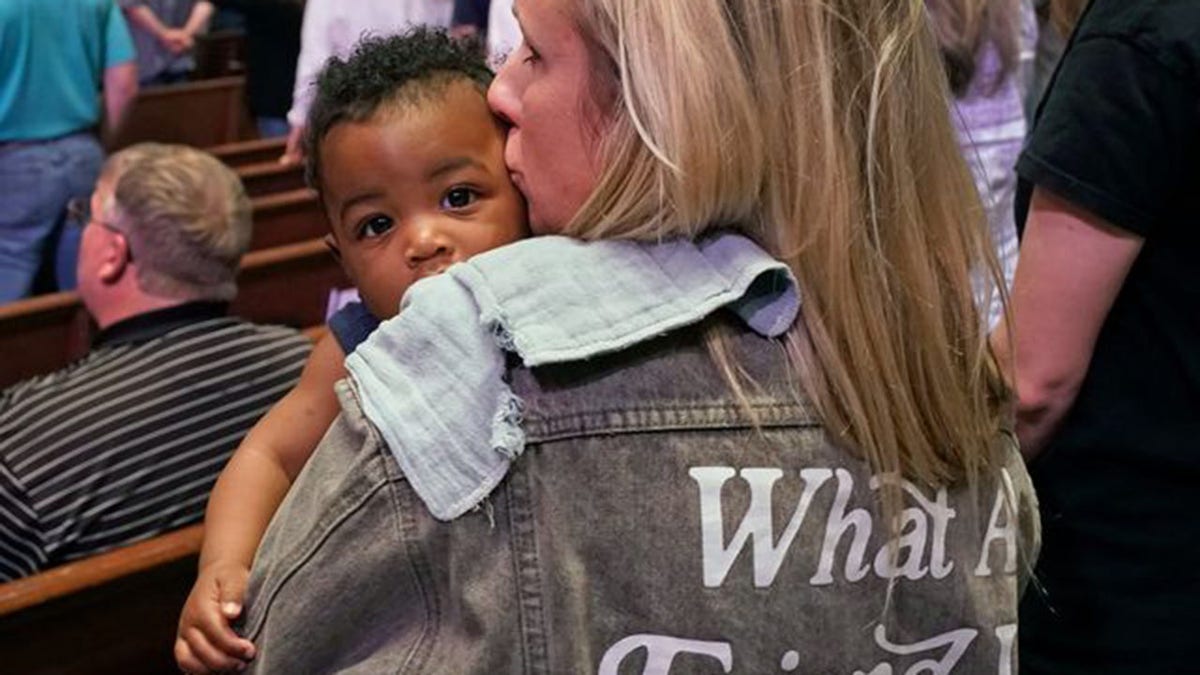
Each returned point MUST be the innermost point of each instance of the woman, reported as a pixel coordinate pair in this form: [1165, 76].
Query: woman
[1056, 20]
[554, 459]
[986, 46]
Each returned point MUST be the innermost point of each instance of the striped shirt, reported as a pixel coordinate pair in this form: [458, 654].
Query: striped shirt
[127, 442]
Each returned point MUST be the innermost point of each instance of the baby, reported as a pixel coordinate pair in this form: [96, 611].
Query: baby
[409, 164]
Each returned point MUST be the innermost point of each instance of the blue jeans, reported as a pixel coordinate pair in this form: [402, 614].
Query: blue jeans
[272, 127]
[37, 179]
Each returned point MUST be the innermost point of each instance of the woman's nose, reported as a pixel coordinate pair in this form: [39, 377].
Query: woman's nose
[501, 96]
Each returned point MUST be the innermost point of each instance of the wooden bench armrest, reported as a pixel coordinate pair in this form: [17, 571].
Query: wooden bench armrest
[281, 200]
[18, 310]
[268, 168]
[99, 569]
[249, 152]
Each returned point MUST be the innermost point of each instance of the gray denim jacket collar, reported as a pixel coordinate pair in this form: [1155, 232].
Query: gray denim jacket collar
[432, 380]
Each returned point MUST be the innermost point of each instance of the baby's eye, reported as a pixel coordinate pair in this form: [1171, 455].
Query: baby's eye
[459, 198]
[374, 226]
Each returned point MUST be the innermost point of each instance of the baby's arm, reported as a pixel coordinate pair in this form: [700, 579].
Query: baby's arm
[241, 505]
[269, 458]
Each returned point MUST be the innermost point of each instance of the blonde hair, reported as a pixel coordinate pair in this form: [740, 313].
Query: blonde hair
[820, 129]
[1064, 14]
[965, 27]
[187, 218]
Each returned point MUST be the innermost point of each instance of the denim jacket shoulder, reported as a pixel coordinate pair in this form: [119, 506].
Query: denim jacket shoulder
[438, 365]
[651, 526]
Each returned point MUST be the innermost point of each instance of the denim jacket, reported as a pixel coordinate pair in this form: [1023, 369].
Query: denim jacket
[653, 525]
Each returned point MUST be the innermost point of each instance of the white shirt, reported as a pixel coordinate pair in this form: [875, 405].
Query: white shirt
[333, 27]
[503, 33]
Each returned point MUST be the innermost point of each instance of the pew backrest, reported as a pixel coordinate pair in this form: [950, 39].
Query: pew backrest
[286, 218]
[270, 177]
[241, 153]
[202, 114]
[289, 284]
[111, 613]
[219, 54]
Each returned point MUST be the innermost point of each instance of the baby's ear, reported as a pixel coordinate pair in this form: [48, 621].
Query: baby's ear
[332, 245]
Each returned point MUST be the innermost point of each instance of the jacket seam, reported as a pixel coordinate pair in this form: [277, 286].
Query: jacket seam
[608, 421]
[422, 578]
[530, 607]
[301, 559]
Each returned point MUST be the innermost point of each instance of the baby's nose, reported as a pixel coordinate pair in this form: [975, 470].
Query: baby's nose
[429, 244]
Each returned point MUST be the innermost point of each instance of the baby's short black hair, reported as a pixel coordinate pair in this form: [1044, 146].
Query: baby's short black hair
[400, 69]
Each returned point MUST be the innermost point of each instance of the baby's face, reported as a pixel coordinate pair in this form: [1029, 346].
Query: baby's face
[416, 190]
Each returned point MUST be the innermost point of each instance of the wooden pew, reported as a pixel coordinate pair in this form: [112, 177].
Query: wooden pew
[112, 613]
[286, 218]
[40, 335]
[201, 114]
[285, 285]
[219, 54]
[241, 153]
[288, 285]
[270, 177]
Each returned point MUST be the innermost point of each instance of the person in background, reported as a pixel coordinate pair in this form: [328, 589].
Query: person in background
[126, 443]
[165, 33]
[504, 33]
[332, 28]
[272, 49]
[1056, 19]
[469, 19]
[54, 58]
[1106, 311]
[986, 46]
[492, 20]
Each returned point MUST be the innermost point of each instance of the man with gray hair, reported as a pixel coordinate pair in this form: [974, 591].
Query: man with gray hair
[127, 442]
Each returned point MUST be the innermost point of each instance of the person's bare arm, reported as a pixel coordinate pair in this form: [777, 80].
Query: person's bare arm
[175, 38]
[269, 458]
[241, 505]
[293, 149]
[143, 17]
[120, 90]
[197, 22]
[1071, 267]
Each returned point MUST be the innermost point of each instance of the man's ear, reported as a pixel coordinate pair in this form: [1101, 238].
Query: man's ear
[116, 261]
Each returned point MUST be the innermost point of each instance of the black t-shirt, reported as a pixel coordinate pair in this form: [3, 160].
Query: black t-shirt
[471, 13]
[1118, 134]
